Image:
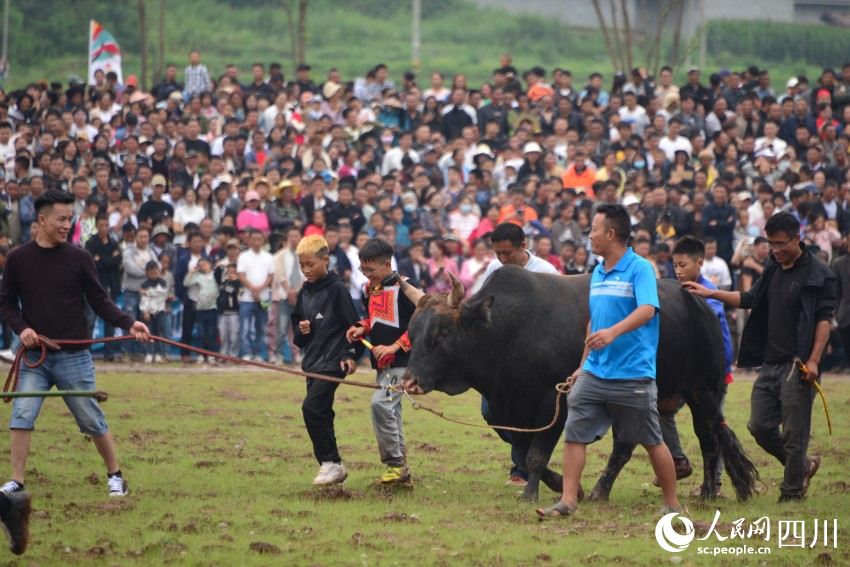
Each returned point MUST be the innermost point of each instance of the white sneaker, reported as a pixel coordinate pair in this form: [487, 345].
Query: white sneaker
[7, 356]
[201, 359]
[330, 473]
[248, 358]
[275, 359]
[117, 486]
[157, 358]
[299, 358]
[148, 358]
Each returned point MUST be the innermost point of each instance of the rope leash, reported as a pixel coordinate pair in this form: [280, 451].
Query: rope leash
[804, 369]
[11, 385]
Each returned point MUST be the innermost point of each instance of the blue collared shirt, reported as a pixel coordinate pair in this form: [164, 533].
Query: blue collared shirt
[614, 295]
[718, 309]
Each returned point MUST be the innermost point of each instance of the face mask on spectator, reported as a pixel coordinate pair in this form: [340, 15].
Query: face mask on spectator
[409, 208]
[639, 164]
[387, 139]
[466, 209]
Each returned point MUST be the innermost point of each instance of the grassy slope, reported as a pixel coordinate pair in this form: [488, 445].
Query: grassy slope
[459, 39]
[218, 462]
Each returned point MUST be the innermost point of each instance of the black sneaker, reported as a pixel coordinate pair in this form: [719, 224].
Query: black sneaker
[117, 486]
[12, 486]
[16, 520]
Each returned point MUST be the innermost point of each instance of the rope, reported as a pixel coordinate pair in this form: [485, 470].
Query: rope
[562, 388]
[13, 377]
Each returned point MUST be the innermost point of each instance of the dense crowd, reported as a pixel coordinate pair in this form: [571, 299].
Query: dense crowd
[193, 197]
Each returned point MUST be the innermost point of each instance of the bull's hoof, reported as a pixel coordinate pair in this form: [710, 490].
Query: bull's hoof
[528, 496]
[598, 495]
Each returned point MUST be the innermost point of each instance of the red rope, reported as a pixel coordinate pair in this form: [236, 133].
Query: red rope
[45, 343]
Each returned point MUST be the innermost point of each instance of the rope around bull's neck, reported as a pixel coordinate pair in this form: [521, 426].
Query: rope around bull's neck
[56, 344]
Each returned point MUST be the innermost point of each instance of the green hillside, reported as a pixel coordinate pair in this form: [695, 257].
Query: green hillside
[48, 38]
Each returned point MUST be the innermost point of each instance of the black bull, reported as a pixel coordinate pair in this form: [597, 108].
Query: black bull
[523, 333]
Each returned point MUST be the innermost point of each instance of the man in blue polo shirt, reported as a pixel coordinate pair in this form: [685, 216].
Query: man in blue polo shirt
[615, 383]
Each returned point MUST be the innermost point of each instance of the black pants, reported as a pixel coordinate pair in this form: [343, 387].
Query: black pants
[845, 342]
[319, 417]
[188, 324]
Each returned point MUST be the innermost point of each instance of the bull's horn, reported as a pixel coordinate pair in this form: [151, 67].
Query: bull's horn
[457, 292]
[412, 293]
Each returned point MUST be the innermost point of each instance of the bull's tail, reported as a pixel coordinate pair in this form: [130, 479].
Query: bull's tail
[738, 464]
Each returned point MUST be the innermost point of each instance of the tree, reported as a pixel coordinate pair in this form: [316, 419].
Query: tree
[619, 36]
[297, 27]
[143, 40]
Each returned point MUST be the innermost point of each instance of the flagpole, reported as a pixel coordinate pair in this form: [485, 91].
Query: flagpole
[88, 54]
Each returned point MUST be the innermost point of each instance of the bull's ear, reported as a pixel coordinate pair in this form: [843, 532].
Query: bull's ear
[477, 311]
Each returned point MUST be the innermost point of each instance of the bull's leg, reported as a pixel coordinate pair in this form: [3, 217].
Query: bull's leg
[621, 453]
[537, 459]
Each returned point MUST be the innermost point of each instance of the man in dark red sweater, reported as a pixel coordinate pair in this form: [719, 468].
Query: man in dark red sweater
[44, 287]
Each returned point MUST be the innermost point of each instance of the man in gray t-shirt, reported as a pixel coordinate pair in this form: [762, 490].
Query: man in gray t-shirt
[509, 245]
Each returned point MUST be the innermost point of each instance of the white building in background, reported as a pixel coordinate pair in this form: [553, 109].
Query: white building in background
[581, 13]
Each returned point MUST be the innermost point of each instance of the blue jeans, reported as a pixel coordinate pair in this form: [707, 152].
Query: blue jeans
[131, 308]
[252, 327]
[284, 322]
[158, 325]
[207, 328]
[518, 467]
[67, 370]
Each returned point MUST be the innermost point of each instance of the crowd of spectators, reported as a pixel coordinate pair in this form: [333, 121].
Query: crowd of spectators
[192, 197]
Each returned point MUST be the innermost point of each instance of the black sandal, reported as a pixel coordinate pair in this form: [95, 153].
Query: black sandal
[556, 510]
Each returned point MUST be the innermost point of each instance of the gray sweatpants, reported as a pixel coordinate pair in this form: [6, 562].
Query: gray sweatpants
[386, 419]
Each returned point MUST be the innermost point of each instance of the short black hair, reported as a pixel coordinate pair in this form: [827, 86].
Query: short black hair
[52, 197]
[151, 265]
[376, 250]
[508, 232]
[783, 222]
[691, 247]
[618, 219]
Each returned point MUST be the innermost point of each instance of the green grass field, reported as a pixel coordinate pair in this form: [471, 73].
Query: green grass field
[220, 470]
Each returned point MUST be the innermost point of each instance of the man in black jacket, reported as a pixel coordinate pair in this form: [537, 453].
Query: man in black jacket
[792, 305]
[107, 260]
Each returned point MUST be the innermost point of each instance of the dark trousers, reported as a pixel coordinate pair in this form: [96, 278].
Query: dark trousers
[845, 342]
[777, 400]
[319, 418]
[518, 468]
[207, 328]
[188, 325]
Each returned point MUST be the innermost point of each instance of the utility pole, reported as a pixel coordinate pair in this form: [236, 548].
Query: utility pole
[4, 61]
[416, 40]
[702, 34]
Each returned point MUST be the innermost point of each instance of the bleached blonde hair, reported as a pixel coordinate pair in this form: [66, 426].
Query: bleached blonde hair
[313, 244]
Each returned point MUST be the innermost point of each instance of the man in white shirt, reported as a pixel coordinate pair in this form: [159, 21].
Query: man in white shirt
[673, 142]
[256, 270]
[393, 158]
[509, 245]
[715, 268]
[633, 113]
[287, 282]
[770, 140]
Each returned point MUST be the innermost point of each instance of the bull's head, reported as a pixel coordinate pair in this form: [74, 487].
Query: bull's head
[443, 340]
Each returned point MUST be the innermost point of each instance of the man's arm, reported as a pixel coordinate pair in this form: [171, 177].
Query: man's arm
[821, 337]
[730, 298]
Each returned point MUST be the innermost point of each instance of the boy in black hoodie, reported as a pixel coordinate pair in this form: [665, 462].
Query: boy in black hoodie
[322, 314]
